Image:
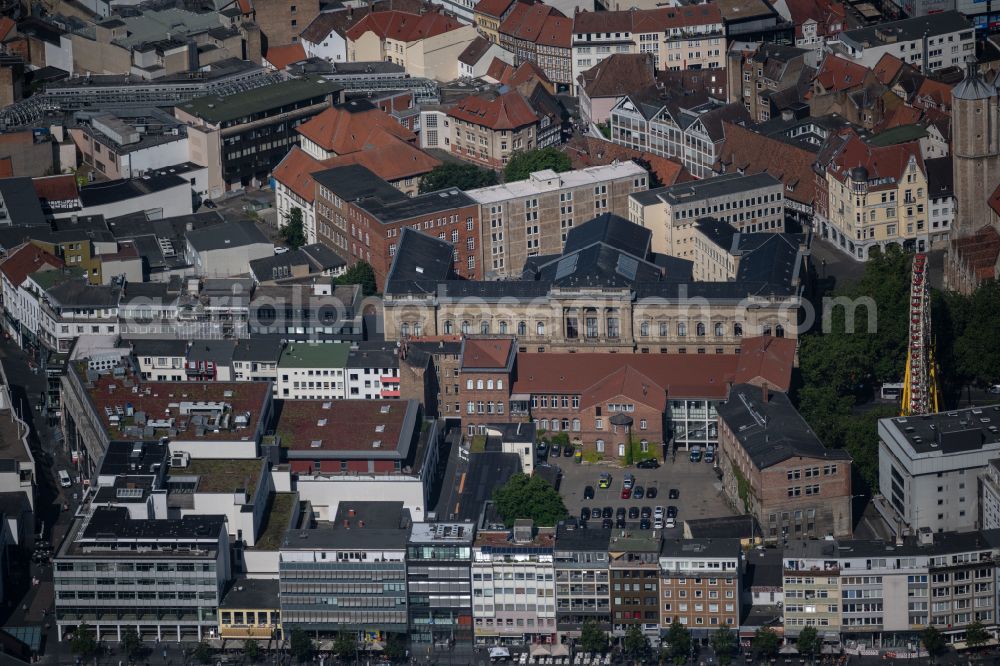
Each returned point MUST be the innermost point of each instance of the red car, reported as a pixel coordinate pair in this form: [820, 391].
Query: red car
[626, 493]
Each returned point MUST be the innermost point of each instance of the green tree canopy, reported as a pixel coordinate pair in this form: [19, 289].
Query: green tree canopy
[395, 648]
[360, 273]
[345, 646]
[84, 642]
[765, 642]
[809, 643]
[531, 497]
[524, 163]
[302, 648]
[592, 637]
[723, 642]
[462, 176]
[131, 644]
[294, 230]
[251, 649]
[976, 635]
[933, 640]
[203, 653]
[679, 640]
[636, 644]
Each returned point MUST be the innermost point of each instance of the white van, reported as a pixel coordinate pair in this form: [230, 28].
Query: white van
[64, 479]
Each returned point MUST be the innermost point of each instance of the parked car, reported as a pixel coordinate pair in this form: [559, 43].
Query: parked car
[584, 513]
[995, 389]
[568, 451]
[208, 203]
[674, 494]
[626, 493]
[638, 492]
[588, 492]
[556, 451]
[620, 523]
[658, 523]
[607, 512]
[633, 512]
[604, 481]
[542, 450]
[646, 512]
[644, 524]
[595, 512]
[671, 511]
[670, 523]
[64, 479]
[607, 523]
[651, 492]
[658, 512]
[620, 513]
[628, 481]
[648, 463]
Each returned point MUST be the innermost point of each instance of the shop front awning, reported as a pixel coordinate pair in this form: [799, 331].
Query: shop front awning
[540, 650]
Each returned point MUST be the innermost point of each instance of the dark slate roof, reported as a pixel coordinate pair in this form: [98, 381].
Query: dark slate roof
[114, 520]
[279, 266]
[420, 260]
[695, 548]
[261, 349]
[219, 351]
[81, 294]
[674, 268]
[939, 177]
[226, 235]
[21, 201]
[571, 538]
[122, 190]
[719, 232]
[770, 258]
[599, 265]
[353, 182]
[771, 431]
[611, 230]
[323, 257]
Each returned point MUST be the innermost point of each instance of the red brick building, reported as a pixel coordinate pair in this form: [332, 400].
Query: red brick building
[361, 217]
[610, 404]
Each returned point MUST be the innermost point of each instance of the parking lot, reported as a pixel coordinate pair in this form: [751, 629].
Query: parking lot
[700, 490]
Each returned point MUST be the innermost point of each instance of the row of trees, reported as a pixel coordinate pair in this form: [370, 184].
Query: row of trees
[84, 644]
[469, 176]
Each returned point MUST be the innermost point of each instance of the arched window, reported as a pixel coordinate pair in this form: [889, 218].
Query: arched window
[700, 328]
[540, 328]
[418, 329]
[522, 328]
[599, 444]
[543, 424]
[489, 384]
[484, 328]
[766, 330]
[565, 424]
[466, 328]
[719, 329]
[644, 329]
[448, 327]
[503, 328]
[664, 329]
[576, 425]
[499, 384]
[404, 330]
[682, 329]
[468, 385]
[479, 384]
[779, 331]
[738, 330]
[555, 425]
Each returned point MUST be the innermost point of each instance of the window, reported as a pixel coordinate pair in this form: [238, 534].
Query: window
[522, 328]
[448, 327]
[540, 328]
[484, 328]
[466, 328]
[700, 329]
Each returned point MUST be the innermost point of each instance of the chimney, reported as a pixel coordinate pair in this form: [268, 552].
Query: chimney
[764, 393]
[351, 513]
[347, 524]
[361, 523]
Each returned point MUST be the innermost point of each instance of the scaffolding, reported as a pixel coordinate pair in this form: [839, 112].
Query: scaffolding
[920, 383]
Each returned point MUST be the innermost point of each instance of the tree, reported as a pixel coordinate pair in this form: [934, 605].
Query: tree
[593, 638]
[345, 646]
[294, 230]
[723, 643]
[360, 273]
[679, 640]
[251, 649]
[653, 180]
[84, 643]
[301, 646]
[395, 648]
[809, 642]
[131, 644]
[636, 644]
[524, 163]
[203, 653]
[933, 641]
[462, 176]
[765, 642]
[530, 497]
[976, 635]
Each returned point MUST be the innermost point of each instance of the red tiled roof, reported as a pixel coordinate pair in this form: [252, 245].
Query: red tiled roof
[25, 260]
[887, 67]
[586, 151]
[981, 251]
[245, 6]
[494, 8]
[747, 151]
[486, 352]
[826, 13]
[628, 382]
[937, 91]
[836, 73]
[343, 425]
[6, 167]
[766, 359]
[403, 26]
[557, 31]
[295, 172]
[619, 75]
[528, 22]
[327, 23]
[526, 71]
[344, 130]
[661, 19]
[887, 162]
[7, 25]
[508, 111]
[284, 55]
[56, 188]
[388, 157]
[497, 70]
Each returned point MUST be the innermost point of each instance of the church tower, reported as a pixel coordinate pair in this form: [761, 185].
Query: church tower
[975, 129]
